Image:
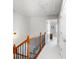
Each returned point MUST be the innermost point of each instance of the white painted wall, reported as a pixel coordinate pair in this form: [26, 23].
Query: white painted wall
[62, 31]
[20, 26]
[37, 25]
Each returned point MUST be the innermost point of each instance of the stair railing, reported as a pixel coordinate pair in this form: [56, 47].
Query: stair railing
[18, 50]
[22, 51]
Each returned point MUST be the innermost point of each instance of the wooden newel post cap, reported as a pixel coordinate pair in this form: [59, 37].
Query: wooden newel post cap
[29, 37]
[40, 33]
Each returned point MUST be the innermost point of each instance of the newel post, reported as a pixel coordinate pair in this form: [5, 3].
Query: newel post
[14, 51]
[28, 47]
[40, 40]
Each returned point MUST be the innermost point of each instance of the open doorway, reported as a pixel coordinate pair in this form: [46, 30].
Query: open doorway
[52, 31]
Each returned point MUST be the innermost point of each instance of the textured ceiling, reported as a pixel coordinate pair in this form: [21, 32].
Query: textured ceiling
[37, 7]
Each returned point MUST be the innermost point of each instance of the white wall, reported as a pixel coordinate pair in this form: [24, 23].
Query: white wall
[20, 26]
[62, 31]
[62, 20]
[37, 25]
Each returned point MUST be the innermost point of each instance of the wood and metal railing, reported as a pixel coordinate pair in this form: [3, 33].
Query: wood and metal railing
[30, 48]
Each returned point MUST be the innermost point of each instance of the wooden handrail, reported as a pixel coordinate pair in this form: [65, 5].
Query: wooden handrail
[25, 41]
[28, 47]
[22, 43]
[41, 47]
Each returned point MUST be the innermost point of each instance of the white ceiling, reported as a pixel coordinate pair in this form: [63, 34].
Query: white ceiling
[37, 7]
